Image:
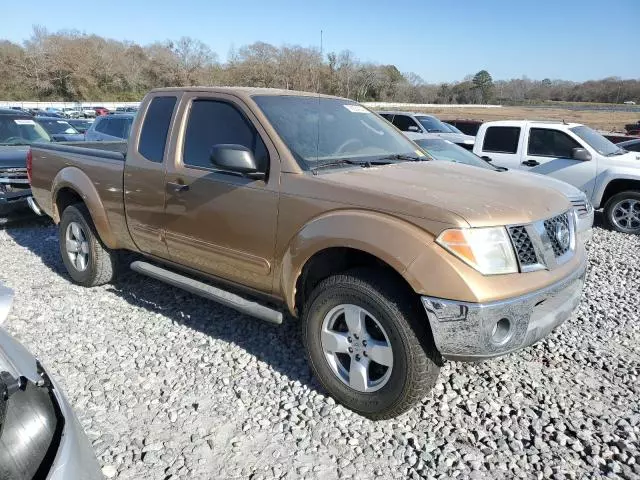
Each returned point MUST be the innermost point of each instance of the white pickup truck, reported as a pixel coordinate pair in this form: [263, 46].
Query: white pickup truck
[574, 153]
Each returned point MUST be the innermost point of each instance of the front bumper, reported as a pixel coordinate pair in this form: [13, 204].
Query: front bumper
[13, 201]
[479, 331]
[584, 226]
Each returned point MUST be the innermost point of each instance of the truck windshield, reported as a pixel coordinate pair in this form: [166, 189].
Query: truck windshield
[597, 141]
[441, 149]
[432, 124]
[320, 131]
[57, 127]
[21, 131]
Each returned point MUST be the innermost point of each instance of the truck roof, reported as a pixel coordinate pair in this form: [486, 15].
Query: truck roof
[399, 112]
[538, 123]
[247, 91]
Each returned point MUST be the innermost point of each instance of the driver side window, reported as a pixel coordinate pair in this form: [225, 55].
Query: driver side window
[403, 122]
[551, 143]
[213, 122]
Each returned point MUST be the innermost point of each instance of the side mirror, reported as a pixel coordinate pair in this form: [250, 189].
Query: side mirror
[236, 159]
[580, 154]
[413, 128]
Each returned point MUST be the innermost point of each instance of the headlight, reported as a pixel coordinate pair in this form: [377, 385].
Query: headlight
[488, 250]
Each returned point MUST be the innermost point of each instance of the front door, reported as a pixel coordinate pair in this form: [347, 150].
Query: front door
[219, 223]
[550, 152]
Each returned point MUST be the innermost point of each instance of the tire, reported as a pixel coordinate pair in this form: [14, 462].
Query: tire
[394, 317]
[615, 207]
[99, 263]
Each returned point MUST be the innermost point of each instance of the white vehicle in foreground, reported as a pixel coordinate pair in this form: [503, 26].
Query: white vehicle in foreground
[574, 153]
[445, 150]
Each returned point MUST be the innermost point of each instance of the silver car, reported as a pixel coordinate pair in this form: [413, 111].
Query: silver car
[40, 436]
[110, 128]
[422, 123]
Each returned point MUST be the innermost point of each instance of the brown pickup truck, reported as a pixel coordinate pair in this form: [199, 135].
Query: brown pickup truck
[270, 201]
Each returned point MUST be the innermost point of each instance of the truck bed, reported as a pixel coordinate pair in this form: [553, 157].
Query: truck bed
[111, 150]
[94, 168]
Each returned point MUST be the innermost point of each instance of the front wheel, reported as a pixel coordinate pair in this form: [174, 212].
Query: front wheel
[88, 261]
[622, 212]
[368, 343]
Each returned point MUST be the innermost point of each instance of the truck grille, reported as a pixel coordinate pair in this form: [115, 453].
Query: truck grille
[544, 244]
[524, 247]
[581, 207]
[13, 179]
[551, 226]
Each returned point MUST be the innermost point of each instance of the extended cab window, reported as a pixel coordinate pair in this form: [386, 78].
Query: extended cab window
[403, 122]
[101, 125]
[214, 122]
[115, 127]
[551, 143]
[501, 139]
[155, 128]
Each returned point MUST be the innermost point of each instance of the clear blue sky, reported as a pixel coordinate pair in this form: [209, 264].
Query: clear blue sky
[441, 41]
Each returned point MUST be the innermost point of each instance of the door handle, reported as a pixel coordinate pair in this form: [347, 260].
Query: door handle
[486, 159]
[177, 187]
[531, 163]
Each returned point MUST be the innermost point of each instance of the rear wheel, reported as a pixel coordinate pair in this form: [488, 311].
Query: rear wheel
[88, 261]
[368, 343]
[622, 212]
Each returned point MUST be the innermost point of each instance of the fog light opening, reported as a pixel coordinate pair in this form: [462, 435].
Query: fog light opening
[501, 331]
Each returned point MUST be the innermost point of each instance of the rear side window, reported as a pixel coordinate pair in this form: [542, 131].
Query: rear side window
[101, 125]
[501, 139]
[403, 122]
[155, 128]
[387, 116]
[551, 143]
[116, 127]
[214, 122]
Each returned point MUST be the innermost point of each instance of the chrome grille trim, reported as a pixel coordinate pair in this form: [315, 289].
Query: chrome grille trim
[523, 246]
[550, 226]
[544, 243]
[581, 207]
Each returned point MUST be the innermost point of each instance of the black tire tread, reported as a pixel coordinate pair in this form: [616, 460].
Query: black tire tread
[612, 201]
[104, 260]
[425, 360]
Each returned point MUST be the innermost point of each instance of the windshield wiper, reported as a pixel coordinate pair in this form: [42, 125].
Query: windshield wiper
[400, 158]
[342, 161]
[620, 151]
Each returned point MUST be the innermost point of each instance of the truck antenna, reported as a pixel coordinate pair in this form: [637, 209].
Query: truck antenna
[319, 70]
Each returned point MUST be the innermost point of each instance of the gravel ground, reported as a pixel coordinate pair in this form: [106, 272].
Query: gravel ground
[168, 385]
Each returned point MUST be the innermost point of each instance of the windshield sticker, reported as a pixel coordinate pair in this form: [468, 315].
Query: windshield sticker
[24, 122]
[356, 108]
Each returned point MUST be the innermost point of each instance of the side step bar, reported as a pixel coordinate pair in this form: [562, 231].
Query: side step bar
[210, 292]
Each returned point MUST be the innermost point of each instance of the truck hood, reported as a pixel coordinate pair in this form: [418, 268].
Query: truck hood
[481, 197]
[13, 156]
[564, 188]
[456, 137]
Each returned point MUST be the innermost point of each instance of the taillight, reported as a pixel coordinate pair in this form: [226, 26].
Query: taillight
[29, 164]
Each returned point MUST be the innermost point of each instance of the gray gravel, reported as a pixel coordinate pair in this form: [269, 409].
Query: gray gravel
[168, 385]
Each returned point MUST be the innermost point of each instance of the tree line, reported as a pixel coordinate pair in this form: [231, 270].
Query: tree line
[72, 66]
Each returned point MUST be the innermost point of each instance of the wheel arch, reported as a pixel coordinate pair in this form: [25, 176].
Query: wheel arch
[71, 185]
[339, 241]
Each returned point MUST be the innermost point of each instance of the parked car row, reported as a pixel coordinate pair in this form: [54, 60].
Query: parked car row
[75, 112]
[391, 261]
